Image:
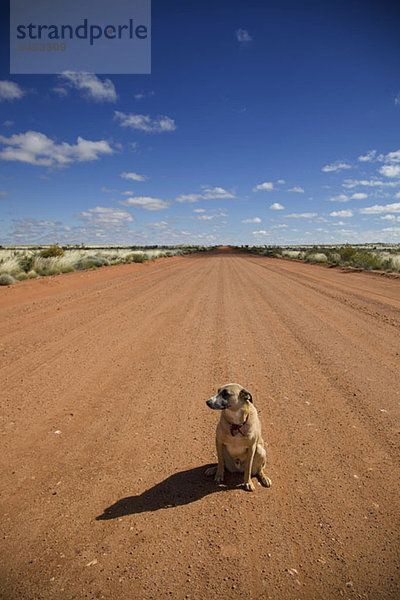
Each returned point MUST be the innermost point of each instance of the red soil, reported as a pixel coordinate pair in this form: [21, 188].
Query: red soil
[106, 434]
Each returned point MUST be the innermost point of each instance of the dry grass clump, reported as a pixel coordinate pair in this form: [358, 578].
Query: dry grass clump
[316, 257]
[91, 262]
[299, 254]
[28, 263]
[6, 279]
[359, 257]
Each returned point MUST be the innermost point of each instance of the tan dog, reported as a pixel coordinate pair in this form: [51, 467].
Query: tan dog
[240, 447]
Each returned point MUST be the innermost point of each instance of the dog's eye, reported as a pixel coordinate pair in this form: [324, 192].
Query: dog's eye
[225, 394]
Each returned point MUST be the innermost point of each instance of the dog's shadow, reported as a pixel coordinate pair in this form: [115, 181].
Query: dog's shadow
[178, 489]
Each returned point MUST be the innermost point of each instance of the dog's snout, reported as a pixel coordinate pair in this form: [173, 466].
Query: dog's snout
[217, 403]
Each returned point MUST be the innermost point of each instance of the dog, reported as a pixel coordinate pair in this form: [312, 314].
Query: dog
[240, 447]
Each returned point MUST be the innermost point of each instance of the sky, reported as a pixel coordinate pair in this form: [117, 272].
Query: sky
[261, 123]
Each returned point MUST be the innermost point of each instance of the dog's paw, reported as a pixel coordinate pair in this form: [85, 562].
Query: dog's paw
[219, 477]
[249, 486]
[264, 480]
[210, 471]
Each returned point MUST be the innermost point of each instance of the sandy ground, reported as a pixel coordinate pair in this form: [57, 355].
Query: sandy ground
[106, 435]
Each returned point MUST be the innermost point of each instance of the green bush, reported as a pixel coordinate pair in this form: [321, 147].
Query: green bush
[26, 263]
[47, 271]
[21, 276]
[91, 262]
[52, 251]
[365, 260]
[6, 279]
[139, 258]
[347, 253]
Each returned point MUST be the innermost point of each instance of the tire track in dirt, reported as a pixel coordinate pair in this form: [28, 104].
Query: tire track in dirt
[43, 320]
[286, 344]
[134, 450]
[359, 354]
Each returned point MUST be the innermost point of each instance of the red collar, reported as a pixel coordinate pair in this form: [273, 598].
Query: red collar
[235, 428]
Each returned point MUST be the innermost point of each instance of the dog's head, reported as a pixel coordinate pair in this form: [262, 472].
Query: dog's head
[231, 395]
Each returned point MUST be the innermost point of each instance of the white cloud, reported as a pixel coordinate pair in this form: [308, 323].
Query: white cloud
[297, 189]
[393, 156]
[392, 229]
[36, 148]
[209, 217]
[146, 202]
[302, 215]
[92, 87]
[339, 198]
[157, 225]
[142, 95]
[352, 183]
[216, 192]
[189, 198]
[276, 206]
[253, 220]
[243, 36]
[133, 176]
[367, 157]
[60, 91]
[199, 210]
[10, 91]
[390, 218]
[113, 218]
[359, 196]
[341, 213]
[336, 166]
[381, 208]
[266, 186]
[390, 170]
[281, 181]
[145, 122]
[261, 232]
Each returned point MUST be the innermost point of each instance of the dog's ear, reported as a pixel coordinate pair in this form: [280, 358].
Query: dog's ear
[246, 395]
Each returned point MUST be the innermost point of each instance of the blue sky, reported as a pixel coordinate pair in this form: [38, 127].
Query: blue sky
[261, 123]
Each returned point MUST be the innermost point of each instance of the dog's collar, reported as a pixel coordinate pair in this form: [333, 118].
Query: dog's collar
[235, 427]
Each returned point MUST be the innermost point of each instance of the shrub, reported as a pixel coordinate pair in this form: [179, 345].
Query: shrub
[52, 251]
[21, 276]
[6, 279]
[334, 257]
[32, 274]
[347, 253]
[91, 262]
[365, 260]
[316, 257]
[139, 258]
[26, 262]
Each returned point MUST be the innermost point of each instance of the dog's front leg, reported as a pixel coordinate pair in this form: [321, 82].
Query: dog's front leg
[248, 484]
[219, 475]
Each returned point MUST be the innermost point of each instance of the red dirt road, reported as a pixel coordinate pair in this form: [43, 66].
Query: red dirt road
[106, 435]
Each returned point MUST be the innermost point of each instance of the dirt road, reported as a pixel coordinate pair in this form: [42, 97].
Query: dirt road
[106, 435]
